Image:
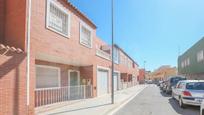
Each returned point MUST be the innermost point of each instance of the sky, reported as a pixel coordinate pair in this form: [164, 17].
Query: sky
[155, 31]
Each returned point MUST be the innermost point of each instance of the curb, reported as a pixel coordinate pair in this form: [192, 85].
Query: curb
[123, 103]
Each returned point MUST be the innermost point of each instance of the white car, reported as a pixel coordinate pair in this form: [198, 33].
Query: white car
[189, 92]
[202, 108]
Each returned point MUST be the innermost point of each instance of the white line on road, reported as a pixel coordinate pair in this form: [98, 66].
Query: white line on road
[126, 102]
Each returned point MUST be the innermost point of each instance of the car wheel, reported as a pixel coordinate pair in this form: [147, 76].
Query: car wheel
[202, 112]
[181, 103]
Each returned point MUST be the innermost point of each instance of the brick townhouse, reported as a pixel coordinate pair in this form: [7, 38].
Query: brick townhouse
[67, 61]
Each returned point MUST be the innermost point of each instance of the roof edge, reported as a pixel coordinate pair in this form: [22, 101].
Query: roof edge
[126, 54]
[80, 13]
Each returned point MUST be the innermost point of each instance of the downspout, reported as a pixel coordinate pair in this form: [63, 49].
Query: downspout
[28, 55]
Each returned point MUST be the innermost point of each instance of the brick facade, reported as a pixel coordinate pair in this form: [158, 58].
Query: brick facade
[51, 49]
[2, 16]
[12, 83]
[15, 23]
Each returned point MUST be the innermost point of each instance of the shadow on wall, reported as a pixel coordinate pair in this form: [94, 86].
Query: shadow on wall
[12, 84]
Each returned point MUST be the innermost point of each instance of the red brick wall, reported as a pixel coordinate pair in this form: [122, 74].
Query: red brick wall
[2, 5]
[67, 50]
[141, 75]
[15, 23]
[12, 84]
[86, 72]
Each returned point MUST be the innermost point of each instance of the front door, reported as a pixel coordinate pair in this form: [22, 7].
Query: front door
[74, 78]
[74, 85]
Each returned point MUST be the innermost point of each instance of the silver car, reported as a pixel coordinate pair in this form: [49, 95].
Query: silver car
[189, 92]
[202, 108]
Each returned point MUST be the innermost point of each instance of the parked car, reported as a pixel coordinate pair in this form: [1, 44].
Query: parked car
[172, 81]
[163, 88]
[149, 81]
[159, 83]
[189, 92]
[202, 108]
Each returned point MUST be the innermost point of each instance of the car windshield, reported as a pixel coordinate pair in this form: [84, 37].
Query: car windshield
[195, 86]
[176, 80]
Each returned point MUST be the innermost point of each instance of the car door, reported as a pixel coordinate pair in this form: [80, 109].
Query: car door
[180, 89]
[177, 90]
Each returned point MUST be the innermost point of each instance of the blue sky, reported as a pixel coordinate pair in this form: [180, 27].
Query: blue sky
[150, 30]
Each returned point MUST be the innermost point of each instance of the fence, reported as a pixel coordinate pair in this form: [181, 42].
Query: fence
[48, 96]
[124, 85]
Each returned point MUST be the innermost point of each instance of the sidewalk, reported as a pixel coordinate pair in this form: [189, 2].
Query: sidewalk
[97, 106]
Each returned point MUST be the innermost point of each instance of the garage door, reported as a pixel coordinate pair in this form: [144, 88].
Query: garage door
[102, 82]
[116, 81]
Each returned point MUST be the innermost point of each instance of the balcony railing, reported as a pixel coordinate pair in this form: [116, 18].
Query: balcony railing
[103, 54]
[55, 95]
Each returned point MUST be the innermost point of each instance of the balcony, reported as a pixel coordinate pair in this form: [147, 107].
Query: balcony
[103, 54]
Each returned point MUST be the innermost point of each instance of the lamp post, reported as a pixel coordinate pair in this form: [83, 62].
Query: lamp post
[112, 26]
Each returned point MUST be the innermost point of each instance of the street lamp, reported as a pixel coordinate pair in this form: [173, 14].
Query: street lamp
[112, 13]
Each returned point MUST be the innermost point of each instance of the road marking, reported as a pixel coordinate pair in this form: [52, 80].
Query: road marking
[126, 102]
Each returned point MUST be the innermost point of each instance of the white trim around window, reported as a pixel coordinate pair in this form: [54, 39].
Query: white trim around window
[58, 75]
[61, 9]
[88, 28]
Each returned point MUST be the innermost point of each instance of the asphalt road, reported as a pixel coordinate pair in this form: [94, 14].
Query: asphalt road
[152, 102]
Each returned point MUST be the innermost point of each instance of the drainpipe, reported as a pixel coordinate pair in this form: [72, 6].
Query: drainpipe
[28, 54]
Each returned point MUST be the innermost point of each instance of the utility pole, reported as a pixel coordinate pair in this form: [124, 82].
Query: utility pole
[144, 70]
[112, 13]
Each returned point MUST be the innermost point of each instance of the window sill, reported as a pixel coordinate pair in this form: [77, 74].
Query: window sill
[61, 34]
[90, 47]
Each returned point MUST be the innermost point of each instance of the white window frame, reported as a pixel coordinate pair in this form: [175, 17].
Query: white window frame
[200, 56]
[69, 74]
[82, 24]
[59, 75]
[64, 11]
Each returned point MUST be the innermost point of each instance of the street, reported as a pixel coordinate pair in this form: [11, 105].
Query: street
[152, 102]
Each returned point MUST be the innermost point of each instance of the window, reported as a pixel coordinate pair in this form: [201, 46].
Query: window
[182, 64]
[58, 20]
[47, 77]
[85, 35]
[188, 61]
[195, 86]
[116, 55]
[180, 85]
[200, 56]
[185, 63]
[129, 63]
[133, 65]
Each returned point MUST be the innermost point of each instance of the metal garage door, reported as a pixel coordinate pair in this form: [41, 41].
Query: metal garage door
[102, 82]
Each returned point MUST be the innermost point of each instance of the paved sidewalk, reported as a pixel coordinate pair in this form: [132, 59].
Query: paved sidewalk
[97, 106]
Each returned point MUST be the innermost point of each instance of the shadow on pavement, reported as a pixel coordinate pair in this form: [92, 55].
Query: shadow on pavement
[80, 109]
[164, 94]
[189, 110]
